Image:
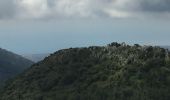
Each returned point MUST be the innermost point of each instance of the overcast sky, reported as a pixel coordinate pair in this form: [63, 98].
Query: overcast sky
[40, 26]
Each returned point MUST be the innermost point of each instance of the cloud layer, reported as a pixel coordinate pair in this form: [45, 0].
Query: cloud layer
[56, 9]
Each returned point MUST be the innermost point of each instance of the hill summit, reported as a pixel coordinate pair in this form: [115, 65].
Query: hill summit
[112, 72]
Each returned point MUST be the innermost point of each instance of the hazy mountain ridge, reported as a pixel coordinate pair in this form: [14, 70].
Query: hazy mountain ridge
[35, 57]
[11, 64]
[166, 47]
[112, 72]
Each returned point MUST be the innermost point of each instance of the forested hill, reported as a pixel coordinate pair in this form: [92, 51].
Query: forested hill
[11, 64]
[112, 72]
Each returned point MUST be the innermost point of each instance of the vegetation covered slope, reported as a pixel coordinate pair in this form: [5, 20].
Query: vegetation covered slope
[11, 64]
[113, 72]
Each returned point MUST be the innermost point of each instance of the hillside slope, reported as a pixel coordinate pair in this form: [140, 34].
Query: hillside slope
[11, 64]
[113, 72]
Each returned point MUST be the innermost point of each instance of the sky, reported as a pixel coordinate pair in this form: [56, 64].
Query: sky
[45, 26]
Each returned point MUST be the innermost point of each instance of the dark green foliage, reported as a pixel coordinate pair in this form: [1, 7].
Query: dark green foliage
[113, 72]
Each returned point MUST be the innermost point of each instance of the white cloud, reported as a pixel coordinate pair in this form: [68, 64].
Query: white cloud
[32, 8]
[117, 14]
[73, 8]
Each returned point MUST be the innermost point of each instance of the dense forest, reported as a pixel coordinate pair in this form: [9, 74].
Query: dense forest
[112, 72]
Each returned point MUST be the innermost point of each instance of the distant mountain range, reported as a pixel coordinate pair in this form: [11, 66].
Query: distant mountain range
[112, 72]
[11, 64]
[36, 57]
[166, 47]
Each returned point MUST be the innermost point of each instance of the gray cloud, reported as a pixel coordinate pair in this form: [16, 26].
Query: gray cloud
[46, 9]
[155, 5]
[7, 9]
